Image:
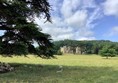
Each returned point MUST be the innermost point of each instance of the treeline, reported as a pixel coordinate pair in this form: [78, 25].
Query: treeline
[88, 47]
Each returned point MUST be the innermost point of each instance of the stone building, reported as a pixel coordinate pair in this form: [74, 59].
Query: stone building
[78, 50]
[69, 49]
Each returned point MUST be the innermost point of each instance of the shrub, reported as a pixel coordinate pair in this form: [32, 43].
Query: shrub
[108, 52]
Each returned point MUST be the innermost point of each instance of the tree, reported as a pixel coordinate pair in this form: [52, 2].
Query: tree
[87, 47]
[108, 52]
[20, 31]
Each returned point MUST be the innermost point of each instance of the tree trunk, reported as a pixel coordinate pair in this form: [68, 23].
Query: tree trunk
[107, 57]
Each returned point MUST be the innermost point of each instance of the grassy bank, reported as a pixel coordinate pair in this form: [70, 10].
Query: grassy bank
[76, 69]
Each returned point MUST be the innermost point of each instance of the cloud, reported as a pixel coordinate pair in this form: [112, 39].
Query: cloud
[87, 38]
[58, 29]
[55, 5]
[84, 33]
[96, 14]
[72, 20]
[111, 7]
[2, 32]
[88, 4]
[114, 31]
[60, 33]
[68, 7]
[78, 19]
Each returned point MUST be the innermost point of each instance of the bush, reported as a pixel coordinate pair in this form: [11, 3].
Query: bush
[59, 52]
[108, 52]
[5, 67]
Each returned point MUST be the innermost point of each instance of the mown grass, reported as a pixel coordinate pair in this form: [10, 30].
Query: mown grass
[76, 69]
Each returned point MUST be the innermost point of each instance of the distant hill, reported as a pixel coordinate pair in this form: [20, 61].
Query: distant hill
[84, 47]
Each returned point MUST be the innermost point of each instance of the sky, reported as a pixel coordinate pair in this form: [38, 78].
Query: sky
[82, 20]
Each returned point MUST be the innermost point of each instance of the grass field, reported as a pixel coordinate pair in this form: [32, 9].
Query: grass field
[76, 69]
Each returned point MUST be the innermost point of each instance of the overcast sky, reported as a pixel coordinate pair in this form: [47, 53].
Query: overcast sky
[83, 20]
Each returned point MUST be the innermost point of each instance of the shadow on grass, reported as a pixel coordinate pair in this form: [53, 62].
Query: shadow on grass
[33, 73]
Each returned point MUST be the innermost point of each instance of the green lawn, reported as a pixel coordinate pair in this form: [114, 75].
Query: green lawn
[76, 69]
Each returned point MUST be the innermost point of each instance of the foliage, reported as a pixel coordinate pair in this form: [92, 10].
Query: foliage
[20, 31]
[87, 47]
[108, 52]
[59, 52]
